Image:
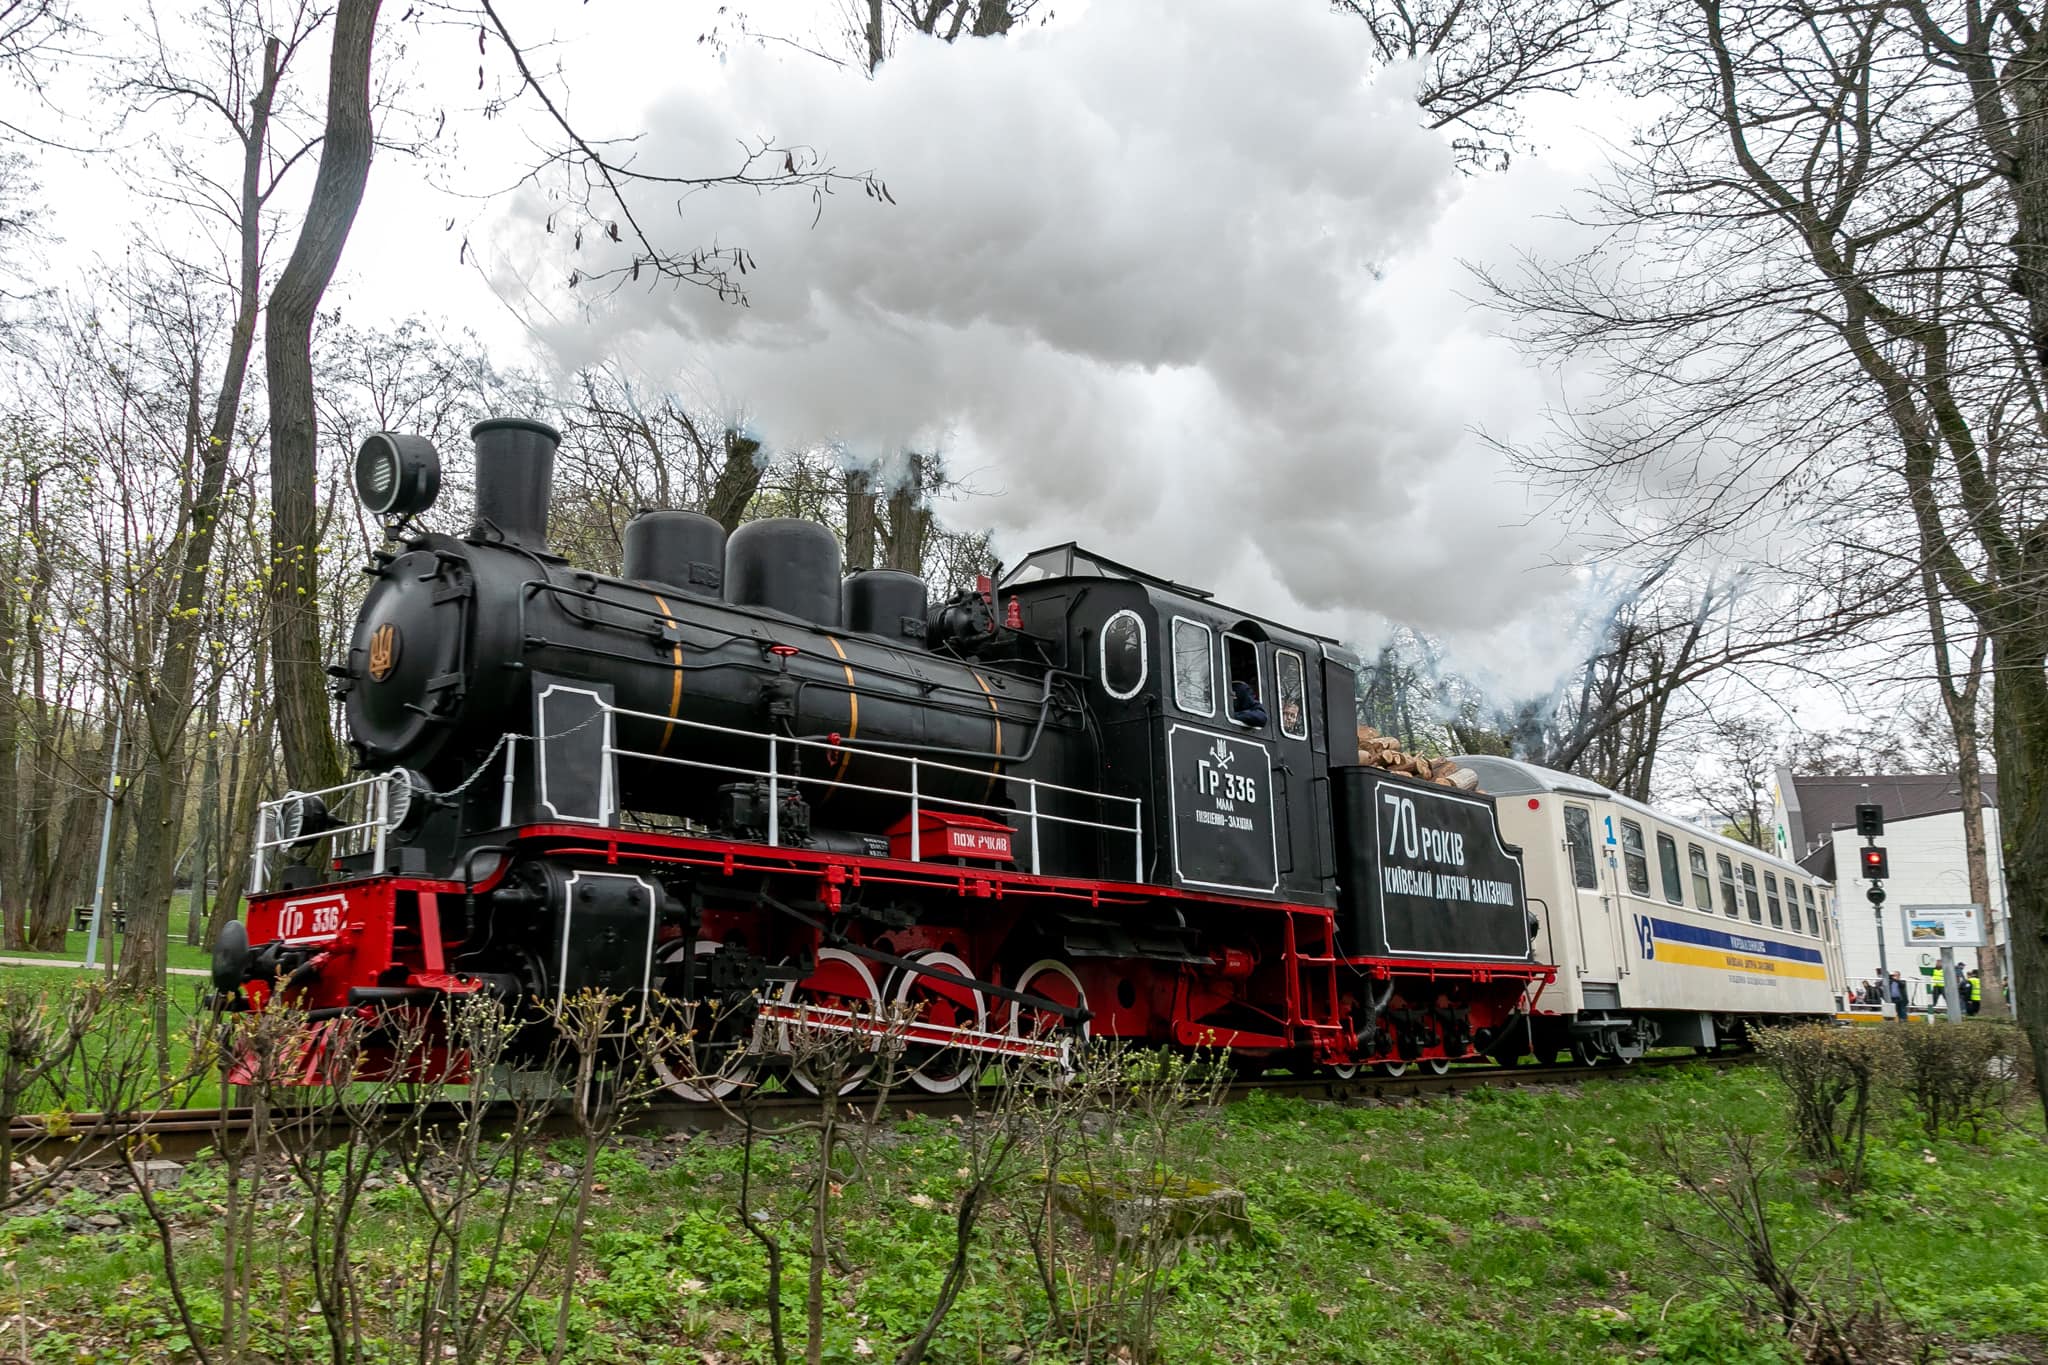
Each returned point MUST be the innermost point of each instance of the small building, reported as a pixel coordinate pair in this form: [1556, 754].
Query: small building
[1815, 826]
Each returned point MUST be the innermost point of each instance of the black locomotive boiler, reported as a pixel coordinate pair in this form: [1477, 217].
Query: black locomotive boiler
[1084, 801]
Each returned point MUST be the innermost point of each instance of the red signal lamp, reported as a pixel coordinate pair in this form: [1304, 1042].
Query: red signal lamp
[1876, 863]
[784, 651]
[1013, 617]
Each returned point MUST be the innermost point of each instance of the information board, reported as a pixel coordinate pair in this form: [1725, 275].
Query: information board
[1943, 926]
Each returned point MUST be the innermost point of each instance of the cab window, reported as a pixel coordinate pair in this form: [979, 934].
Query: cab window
[1667, 863]
[1241, 665]
[1578, 833]
[1771, 896]
[1749, 897]
[1812, 918]
[1636, 856]
[1702, 884]
[1123, 655]
[1291, 682]
[1194, 668]
[1727, 886]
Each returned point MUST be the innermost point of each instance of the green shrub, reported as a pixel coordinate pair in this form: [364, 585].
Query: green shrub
[1831, 1074]
[1959, 1075]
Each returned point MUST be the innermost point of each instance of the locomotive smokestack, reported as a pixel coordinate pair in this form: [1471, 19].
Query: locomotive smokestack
[515, 475]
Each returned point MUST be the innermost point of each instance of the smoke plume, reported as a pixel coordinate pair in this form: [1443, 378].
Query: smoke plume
[1177, 279]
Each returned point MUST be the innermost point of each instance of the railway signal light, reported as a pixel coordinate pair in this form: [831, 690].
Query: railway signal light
[1875, 894]
[1869, 821]
[1876, 863]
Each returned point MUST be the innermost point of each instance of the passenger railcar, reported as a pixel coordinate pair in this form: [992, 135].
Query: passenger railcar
[1664, 934]
[733, 776]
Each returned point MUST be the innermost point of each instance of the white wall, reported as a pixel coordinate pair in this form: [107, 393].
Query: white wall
[1928, 868]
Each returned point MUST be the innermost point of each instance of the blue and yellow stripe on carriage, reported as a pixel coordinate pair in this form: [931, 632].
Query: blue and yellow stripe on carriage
[1697, 945]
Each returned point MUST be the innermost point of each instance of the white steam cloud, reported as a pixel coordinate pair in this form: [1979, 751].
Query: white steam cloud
[1178, 280]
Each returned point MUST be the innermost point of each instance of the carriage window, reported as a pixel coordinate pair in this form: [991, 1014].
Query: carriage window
[1827, 919]
[1667, 860]
[1771, 895]
[1578, 832]
[1727, 885]
[1290, 680]
[1812, 919]
[1636, 856]
[1702, 884]
[1194, 668]
[1123, 655]
[1756, 909]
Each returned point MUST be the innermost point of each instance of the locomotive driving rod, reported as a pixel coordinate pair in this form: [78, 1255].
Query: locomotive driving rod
[1071, 1013]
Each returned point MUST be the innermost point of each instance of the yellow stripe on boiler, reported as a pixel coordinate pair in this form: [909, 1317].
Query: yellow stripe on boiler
[675, 694]
[852, 713]
[1721, 959]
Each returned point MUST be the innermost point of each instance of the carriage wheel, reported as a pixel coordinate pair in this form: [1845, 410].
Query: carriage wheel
[1049, 979]
[712, 1060]
[1437, 1066]
[937, 1068]
[1395, 1069]
[840, 981]
[1344, 1071]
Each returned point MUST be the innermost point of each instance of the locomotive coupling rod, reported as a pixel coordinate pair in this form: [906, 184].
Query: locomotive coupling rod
[1070, 1013]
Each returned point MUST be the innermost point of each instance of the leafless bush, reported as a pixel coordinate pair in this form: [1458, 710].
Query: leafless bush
[1960, 1075]
[1832, 1075]
[1124, 1151]
[73, 1062]
[473, 1226]
[1730, 1238]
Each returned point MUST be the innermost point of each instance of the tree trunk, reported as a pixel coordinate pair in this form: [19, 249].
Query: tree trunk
[910, 519]
[738, 480]
[13, 874]
[253, 758]
[202, 835]
[296, 660]
[2019, 729]
[860, 521]
[167, 707]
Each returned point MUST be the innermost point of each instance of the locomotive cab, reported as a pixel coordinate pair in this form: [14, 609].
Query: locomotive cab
[1234, 797]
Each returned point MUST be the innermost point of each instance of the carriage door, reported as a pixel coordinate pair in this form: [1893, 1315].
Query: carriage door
[1598, 959]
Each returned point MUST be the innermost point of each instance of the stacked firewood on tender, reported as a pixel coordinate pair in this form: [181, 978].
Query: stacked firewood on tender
[1376, 750]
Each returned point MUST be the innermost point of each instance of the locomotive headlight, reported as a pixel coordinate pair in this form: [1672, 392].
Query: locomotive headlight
[397, 475]
[406, 795]
[302, 819]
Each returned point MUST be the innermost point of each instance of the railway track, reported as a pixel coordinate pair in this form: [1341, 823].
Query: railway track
[182, 1134]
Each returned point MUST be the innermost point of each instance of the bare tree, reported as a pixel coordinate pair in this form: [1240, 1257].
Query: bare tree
[297, 665]
[1835, 303]
[1480, 60]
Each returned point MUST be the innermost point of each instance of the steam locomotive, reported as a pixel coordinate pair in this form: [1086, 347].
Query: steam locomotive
[1083, 801]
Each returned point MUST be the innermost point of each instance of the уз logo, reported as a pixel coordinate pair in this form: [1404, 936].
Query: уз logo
[1222, 753]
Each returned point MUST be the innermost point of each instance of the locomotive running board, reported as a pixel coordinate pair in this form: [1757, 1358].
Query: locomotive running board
[827, 1019]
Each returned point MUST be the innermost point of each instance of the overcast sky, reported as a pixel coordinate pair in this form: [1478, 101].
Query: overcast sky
[1180, 279]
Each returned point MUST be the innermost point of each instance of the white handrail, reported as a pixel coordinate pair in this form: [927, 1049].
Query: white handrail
[916, 792]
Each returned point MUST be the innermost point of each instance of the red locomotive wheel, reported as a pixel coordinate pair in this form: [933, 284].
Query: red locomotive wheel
[843, 1021]
[1048, 979]
[938, 1005]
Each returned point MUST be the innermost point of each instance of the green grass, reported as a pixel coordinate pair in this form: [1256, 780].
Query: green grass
[179, 955]
[1509, 1226]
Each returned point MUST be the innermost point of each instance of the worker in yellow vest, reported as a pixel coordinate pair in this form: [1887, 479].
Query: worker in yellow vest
[1976, 999]
[1934, 989]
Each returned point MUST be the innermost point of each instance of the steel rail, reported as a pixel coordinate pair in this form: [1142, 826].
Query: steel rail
[181, 1134]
